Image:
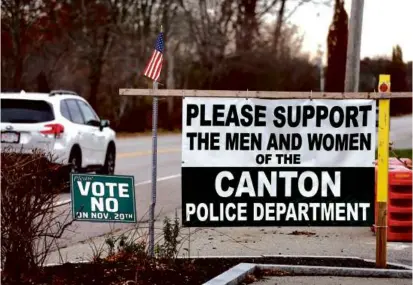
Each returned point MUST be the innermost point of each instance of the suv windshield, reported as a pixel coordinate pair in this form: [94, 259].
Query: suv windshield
[25, 111]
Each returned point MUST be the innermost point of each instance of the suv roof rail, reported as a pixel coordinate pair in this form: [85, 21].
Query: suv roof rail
[58, 92]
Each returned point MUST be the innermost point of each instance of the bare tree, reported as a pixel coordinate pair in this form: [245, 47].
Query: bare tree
[248, 20]
[18, 19]
[208, 26]
[32, 42]
[30, 185]
[97, 26]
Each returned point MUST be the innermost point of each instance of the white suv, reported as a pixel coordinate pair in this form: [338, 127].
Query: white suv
[62, 123]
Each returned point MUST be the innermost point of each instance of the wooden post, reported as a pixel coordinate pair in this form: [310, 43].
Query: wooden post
[383, 173]
[262, 94]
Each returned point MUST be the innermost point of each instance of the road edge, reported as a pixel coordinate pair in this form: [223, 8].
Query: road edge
[407, 267]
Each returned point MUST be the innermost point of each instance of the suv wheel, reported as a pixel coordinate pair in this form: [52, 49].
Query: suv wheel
[75, 161]
[109, 167]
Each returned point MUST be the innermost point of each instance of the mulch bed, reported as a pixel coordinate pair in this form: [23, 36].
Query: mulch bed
[172, 272]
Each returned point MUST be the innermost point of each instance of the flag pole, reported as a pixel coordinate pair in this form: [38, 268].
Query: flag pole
[154, 167]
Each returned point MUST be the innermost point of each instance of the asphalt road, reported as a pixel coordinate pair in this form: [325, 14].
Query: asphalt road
[134, 158]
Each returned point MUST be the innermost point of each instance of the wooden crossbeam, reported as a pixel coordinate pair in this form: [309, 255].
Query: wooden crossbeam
[261, 94]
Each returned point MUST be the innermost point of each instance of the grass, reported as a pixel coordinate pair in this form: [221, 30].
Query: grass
[402, 153]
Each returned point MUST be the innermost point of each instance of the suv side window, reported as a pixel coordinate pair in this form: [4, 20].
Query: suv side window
[65, 110]
[87, 112]
[74, 111]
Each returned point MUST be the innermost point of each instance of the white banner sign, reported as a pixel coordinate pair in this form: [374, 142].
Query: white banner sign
[239, 132]
[253, 162]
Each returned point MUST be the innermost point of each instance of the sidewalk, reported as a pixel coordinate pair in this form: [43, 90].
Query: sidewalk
[320, 241]
[328, 280]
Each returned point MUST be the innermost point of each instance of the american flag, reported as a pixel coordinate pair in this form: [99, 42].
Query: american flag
[154, 66]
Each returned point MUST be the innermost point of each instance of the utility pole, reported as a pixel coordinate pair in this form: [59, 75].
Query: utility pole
[320, 55]
[321, 67]
[353, 47]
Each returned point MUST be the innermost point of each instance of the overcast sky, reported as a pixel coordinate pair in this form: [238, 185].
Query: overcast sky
[385, 24]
